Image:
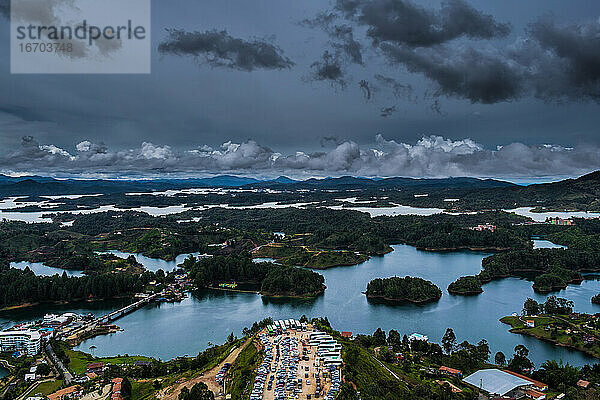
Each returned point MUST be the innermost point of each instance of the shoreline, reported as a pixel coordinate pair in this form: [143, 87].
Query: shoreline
[306, 296]
[520, 331]
[399, 301]
[465, 293]
[62, 302]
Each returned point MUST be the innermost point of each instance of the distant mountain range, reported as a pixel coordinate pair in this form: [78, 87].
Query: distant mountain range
[582, 193]
[40, 185]
[349, 182]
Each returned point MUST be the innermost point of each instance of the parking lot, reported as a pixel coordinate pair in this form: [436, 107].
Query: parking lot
[290, 369]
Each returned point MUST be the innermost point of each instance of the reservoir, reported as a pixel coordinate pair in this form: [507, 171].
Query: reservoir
[174, 329]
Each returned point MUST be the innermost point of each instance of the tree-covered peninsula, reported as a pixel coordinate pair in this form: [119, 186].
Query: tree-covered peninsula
[272, 279]
[551, 269]
[18, 287]
[407, 289]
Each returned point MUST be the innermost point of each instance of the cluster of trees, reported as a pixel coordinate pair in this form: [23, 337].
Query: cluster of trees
[551, 268]
[292, 281]
[409, 289]
[553, 305]
[596, 298]
[198, 392]
[274, 280]
[465, 285]
[555, 278]
[23, 286]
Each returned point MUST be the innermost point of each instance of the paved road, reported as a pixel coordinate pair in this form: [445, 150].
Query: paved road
[386, 368]
[59, 364]
[31, 387]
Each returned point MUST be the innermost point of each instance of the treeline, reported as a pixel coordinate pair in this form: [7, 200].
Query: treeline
[550, 268]
[274, 280]
[409, 289]
[23, 286]
[353, 230]
[553, 305]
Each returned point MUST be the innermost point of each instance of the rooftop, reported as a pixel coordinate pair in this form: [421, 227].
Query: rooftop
[495, 381]
[538, 384]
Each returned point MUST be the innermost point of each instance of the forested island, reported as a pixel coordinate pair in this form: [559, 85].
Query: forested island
[466, 286]
[271, 279]
[407, 289]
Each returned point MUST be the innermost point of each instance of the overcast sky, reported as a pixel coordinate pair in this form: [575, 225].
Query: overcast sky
[382, 87]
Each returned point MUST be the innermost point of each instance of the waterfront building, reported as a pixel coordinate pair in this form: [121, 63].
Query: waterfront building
[27, 341]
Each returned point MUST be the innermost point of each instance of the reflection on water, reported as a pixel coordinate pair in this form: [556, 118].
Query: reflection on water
[153, 264]
[44, 270]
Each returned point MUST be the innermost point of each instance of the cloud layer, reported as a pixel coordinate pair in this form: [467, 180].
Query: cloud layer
[432, 156]
[463, 52]
[219, 49]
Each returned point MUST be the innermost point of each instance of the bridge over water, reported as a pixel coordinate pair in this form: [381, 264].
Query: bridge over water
[127, 309]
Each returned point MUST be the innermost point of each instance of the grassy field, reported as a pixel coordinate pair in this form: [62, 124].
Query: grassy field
[45, 388]
[79, 360]
[242, 372]
[141, 390]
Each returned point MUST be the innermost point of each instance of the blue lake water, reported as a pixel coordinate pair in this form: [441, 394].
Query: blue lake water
[173, 329]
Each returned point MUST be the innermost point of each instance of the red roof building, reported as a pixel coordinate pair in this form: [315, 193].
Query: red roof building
[540, 385]
[583, 384]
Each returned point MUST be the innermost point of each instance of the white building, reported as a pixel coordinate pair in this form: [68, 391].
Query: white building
[53, 320]
[28, 341]
[417, 336]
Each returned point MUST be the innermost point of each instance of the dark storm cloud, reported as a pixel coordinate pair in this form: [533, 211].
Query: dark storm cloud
[430, 156]
[567, 60]
[403, 22]
[219, 49]
[554, 62]
[478, 76]
[329, 68]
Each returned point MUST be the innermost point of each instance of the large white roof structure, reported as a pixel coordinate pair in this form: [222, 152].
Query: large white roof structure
[495, 381]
